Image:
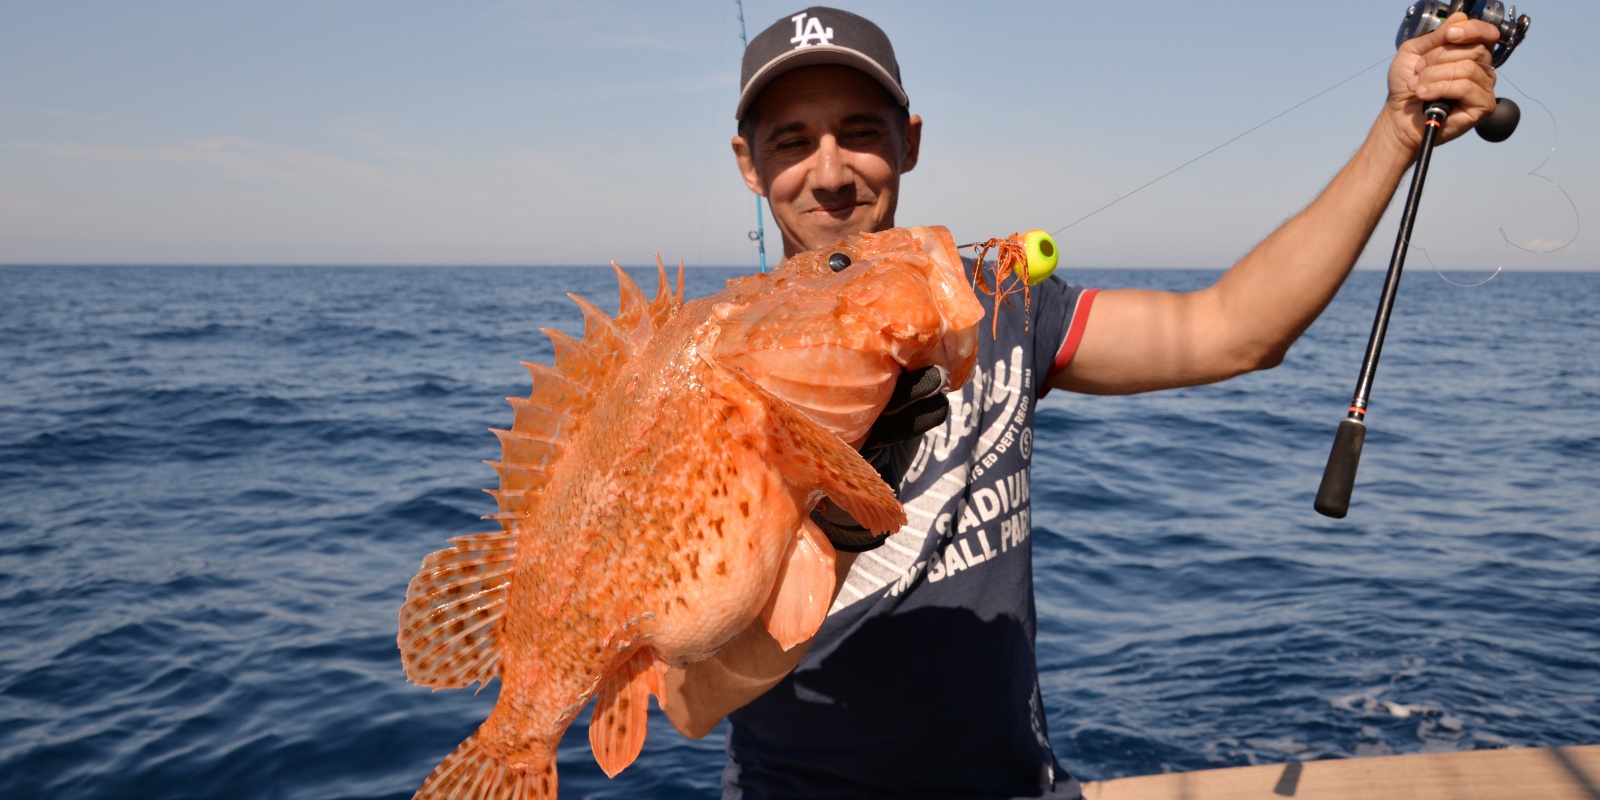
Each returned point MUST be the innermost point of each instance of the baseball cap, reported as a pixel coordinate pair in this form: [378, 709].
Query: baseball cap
[818, 35]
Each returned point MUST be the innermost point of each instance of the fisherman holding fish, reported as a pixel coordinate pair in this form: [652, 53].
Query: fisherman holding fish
[923, 679]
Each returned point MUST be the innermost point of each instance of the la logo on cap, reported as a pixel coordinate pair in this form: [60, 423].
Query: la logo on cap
[805, 30]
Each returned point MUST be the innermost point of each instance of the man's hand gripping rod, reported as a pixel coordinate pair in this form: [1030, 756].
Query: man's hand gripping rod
[1338, 479]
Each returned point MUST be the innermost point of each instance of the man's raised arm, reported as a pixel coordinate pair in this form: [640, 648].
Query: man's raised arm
[1139, 340]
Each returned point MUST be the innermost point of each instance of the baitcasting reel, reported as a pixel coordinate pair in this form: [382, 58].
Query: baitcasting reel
[1426, 16]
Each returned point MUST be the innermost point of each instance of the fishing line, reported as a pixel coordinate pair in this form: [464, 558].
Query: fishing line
[1386, 59]
[1577, 217]
[1168, 173]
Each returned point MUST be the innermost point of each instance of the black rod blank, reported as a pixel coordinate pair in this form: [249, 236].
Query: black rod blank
[1339, 476]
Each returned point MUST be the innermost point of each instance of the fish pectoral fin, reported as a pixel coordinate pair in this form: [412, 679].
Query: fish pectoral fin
[450, 622]
[804, 589]
[813, 456]
[616, 732]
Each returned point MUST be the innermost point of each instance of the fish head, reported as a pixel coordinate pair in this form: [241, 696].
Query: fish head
[831, 329]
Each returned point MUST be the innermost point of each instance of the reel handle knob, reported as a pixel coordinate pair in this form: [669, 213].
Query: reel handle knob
[1498, 126]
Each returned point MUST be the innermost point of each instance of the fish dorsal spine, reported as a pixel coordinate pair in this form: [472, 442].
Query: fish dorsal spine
[563, 392]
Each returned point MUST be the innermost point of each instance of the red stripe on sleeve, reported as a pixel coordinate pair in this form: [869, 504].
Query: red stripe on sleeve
[1069, 348]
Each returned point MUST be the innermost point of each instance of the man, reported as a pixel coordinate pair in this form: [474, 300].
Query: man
[923, 681]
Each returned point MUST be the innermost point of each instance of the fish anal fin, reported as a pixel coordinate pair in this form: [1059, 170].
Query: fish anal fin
[617, 731]
[451, 618]
[810, 455]
[804, 590]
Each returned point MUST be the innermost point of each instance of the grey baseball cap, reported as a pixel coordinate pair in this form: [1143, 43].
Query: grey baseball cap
[818, 35]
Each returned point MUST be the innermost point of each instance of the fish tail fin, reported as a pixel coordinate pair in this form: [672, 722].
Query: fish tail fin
[472, 771]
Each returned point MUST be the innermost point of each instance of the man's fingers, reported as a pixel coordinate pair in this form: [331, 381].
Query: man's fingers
[1457, 30]
[914, 420]
[1472, 54]
[1459, 81]
[915, 385]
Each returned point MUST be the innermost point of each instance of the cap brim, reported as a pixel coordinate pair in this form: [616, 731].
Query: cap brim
[817, 55]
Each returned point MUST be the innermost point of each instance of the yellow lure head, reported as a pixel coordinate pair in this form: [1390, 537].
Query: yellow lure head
[1042, 257]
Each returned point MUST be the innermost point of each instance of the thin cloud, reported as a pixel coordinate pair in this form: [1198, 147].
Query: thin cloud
[239, 159]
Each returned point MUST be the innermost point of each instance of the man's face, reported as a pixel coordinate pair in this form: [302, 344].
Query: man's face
[827, 152]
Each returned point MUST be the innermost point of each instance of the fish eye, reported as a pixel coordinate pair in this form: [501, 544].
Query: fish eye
[838, 262]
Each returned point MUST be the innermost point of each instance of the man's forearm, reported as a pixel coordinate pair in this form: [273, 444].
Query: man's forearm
[700, 695]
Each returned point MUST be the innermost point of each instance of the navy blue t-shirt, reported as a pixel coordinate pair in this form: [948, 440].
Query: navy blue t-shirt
[922, 682]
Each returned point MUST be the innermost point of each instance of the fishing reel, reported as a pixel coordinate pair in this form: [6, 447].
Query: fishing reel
[1426, 16]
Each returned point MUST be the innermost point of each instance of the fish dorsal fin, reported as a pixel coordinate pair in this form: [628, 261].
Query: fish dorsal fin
[804, 589]
[617, 729]
[604, 336]
[577, 359]
[633, 310]
[667, 302]
[812, 456]
[451, 616]
[564, 392]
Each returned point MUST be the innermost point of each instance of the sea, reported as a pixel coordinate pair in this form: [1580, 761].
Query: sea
[216, 482]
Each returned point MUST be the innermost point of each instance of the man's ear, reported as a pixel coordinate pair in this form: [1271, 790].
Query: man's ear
[747, 165]
[913, 143]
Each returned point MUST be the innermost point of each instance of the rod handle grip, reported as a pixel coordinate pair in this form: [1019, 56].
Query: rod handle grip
[1339, 477]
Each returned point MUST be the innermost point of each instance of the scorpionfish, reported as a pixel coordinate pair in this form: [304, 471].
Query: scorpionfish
[655, 491]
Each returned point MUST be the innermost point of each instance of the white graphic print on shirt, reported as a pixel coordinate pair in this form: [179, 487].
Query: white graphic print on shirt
[1002, 394]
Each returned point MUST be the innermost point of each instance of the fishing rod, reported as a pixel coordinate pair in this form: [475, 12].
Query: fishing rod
[1338, 478]
[759, 235]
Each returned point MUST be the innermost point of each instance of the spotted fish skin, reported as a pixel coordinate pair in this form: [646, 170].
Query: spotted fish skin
[655, 489]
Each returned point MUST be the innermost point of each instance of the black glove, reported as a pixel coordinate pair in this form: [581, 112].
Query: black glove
[917, 406]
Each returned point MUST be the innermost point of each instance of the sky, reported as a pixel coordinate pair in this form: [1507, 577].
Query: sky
[574, 133]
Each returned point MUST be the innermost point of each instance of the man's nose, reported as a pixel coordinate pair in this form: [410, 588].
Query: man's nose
[831, 173]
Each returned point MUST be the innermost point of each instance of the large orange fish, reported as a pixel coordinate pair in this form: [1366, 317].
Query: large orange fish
[655, 491]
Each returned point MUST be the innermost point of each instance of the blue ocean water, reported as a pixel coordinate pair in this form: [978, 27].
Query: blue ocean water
[217, 482]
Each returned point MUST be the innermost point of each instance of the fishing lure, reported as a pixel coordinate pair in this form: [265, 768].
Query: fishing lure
[1022, 260]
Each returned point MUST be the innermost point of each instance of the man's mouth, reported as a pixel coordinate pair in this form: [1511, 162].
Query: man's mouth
[836, 211]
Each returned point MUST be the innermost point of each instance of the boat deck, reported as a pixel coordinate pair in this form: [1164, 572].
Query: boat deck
[1557, 773]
